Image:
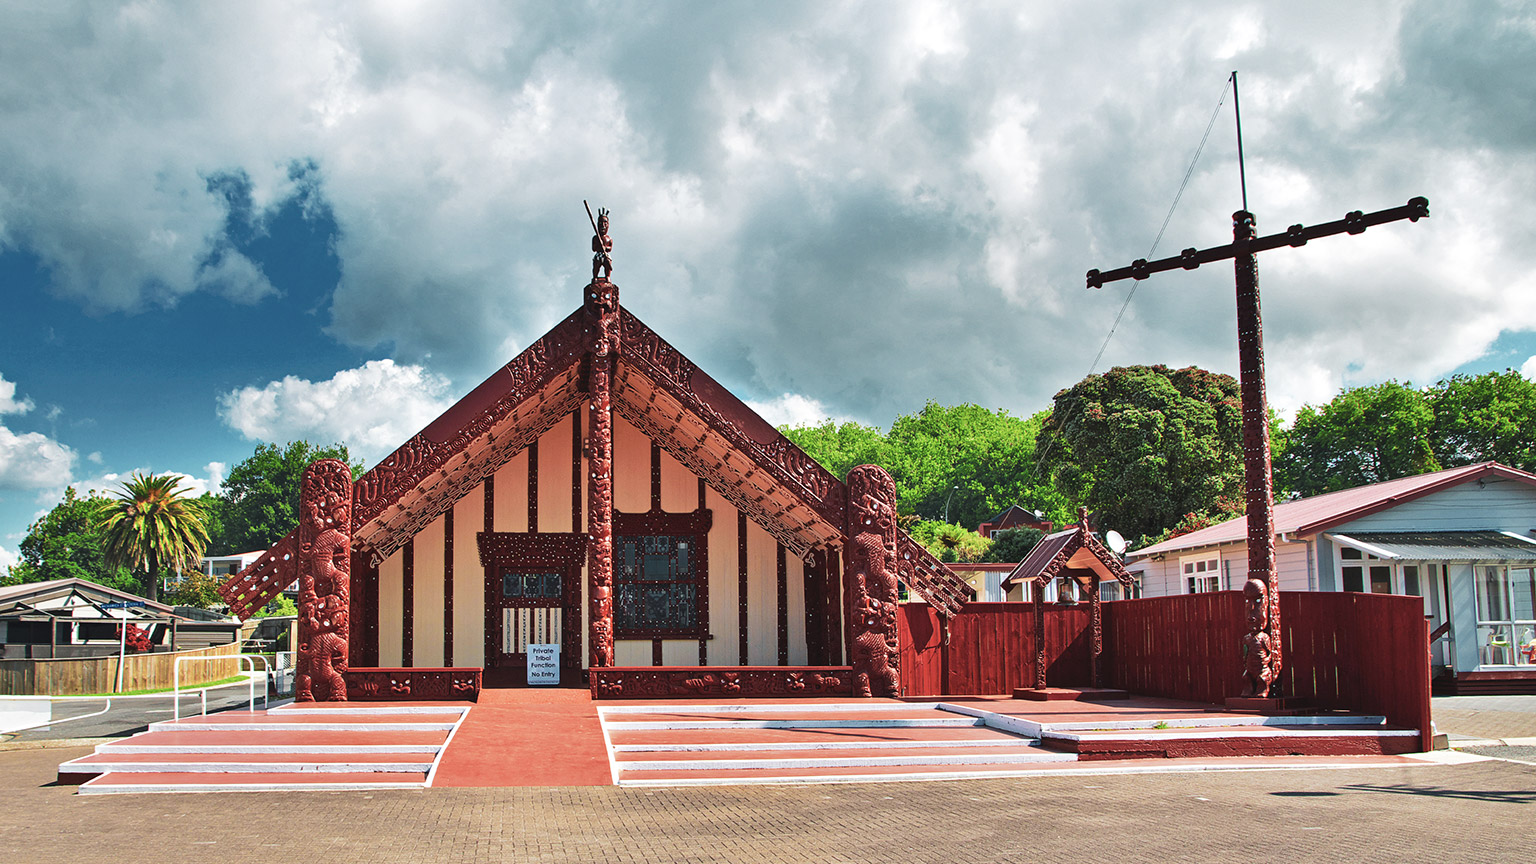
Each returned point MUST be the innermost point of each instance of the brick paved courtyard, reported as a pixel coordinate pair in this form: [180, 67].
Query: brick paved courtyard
[1465, 813]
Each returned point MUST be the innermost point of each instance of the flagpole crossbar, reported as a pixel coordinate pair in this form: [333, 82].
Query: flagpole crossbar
[1354, 222]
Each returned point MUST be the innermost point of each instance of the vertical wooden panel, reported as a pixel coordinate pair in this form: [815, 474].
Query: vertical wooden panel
[741, 582]
[408, 603]
[782, 589]
[533, 488]
[448, 588]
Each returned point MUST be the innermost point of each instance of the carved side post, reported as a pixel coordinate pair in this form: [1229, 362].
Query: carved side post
[324, 564]
[1040, 633]
[1096, 625]
[602, 313]
[1258, 482]
[869, 582]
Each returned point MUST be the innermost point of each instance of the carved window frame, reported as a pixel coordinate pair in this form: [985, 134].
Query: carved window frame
[695, 525]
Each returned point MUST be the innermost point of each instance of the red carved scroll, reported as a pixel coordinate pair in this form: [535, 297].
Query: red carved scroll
[869, 582]
[257, 585]
[324, 564]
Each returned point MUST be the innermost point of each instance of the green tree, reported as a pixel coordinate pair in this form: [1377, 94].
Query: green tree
[67, 543]
[1143, 446]
[152, 524]
[1485, 418]
[282, 604]
[1364, 435]
[195, 588]
[1013, 544]
[259, 503]
[969, 461]
[949, 543]
[839, 447]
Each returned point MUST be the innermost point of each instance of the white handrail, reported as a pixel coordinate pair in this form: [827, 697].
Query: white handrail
[251, 679]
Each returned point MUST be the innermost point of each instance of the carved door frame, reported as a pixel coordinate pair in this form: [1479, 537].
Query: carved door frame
[564, 553]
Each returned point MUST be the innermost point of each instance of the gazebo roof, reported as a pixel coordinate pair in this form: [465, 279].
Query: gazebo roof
[1074, 548]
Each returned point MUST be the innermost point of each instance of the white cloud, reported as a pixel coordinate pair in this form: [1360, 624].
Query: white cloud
[372, 409]
[9, 404]
[8, 558]
[869, 205]
[1528, 369]
[794, 409]
[110, 483]
[29, 460]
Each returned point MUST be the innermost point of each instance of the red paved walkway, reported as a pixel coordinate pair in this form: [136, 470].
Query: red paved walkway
[528, 737]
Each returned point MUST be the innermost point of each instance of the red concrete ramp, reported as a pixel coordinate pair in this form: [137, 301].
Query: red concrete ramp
[528, 737]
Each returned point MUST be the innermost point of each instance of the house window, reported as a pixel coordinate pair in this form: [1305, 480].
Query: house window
[1506, 615]
[657, 586]
[1359, 571]
[1201, 573]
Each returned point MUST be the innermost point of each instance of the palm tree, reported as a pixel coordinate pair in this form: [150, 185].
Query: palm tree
[153, 523]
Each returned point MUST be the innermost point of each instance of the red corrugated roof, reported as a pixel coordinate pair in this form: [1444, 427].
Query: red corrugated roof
[1320, 512]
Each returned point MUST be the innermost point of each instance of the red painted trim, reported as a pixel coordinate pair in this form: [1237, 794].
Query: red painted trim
[656, 651]
[486, 568]
[741, 584]
[783, 605]
[533, 487]
[401, 684]
[655, 477]
[408, 603]
[576, 471]
[448, 587]
[833, 599]
[647, 682]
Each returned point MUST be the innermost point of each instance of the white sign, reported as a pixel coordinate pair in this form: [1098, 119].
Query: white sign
[543, 664]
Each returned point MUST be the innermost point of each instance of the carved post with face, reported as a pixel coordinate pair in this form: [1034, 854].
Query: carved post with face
[869, 582]
[602, 316]
[324, 565]
[1259, 666]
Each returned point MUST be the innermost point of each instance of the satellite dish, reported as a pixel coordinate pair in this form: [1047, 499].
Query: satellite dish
[1113, 540]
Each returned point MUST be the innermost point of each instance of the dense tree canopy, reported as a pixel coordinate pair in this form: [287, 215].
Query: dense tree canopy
[67, 543]
[968, 459]
[259, 504]
[1490, 417]
[1365, 435]
[1145, 446]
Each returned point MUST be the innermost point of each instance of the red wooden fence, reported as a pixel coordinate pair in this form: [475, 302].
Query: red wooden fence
[1361, 652]
[991, 649]
[1182, 647]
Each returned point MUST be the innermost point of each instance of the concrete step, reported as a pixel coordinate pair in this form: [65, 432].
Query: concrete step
[117, 782]
[152, 763]
[864, 758]
[1227, 741]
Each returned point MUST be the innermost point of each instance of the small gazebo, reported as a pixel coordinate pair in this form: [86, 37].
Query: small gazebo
[1075, 554]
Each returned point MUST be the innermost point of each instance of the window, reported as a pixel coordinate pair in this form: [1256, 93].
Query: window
[1506, 615]
[656, 586]
[539, 588]
[1201, 573]
[1361, 572]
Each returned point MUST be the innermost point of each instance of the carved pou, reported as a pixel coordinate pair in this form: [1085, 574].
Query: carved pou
[869, 582]
[324, 565]
[1258, 670]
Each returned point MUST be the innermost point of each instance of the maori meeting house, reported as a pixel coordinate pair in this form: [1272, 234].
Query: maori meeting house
[602, 493]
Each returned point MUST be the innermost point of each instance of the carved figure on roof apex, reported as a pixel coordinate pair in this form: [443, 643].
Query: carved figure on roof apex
[602, 244]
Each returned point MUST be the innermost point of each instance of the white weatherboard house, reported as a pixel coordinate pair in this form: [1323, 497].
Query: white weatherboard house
[1464, 539]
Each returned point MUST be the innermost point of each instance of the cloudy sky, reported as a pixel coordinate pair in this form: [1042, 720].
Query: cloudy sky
[226, 223]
